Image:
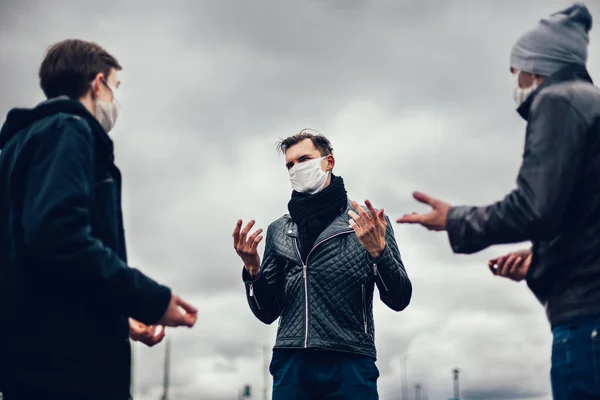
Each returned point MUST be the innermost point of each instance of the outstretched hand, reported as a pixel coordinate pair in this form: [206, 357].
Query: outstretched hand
[435, 220]
[179, 313]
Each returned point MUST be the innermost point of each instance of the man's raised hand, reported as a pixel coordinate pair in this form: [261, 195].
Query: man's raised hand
[369, 227]
[435, 220]
[247, 246]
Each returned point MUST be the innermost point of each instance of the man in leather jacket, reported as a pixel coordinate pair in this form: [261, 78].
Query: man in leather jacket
[556, 204]
[318, 273]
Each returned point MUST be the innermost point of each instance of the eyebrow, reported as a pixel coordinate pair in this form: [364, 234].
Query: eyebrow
[299, 158]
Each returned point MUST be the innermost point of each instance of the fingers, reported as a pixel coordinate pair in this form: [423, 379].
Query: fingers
[254, 239]
[245, 232]
[413, 218]
[255, 243]
[492, 267]
[356, 219]
[354, 225]
[236, 233]
[515, 266]
[372, 212]
[136, 327]
[189, 317]
[504, 264]
[366, 218]
[425, 199]
[509, 265]
[187, 307]
[157, 338]
[381, 217]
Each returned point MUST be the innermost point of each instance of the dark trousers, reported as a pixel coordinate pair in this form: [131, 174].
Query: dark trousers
[576, 360]
[309, 374]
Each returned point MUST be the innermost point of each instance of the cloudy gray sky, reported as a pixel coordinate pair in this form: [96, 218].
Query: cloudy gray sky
[413, 94]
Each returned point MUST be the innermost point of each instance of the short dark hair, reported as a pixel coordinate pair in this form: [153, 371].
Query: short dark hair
[321, 142]
[70, 65]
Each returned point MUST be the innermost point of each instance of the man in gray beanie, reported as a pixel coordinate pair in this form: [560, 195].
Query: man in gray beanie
[556, 204]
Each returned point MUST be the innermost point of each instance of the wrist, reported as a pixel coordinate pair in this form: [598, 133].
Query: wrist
[253, 272]
[376, 254]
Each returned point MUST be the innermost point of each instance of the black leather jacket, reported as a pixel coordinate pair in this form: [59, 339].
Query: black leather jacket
[557, 201]
[327, 303]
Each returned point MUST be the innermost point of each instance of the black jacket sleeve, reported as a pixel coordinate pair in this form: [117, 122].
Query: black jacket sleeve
[395, 288]
[552, 161]
[57, 230]
[265, 293]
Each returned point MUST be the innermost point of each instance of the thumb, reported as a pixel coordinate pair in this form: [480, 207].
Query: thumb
[425, 199]
[189, 317]
[186, 306]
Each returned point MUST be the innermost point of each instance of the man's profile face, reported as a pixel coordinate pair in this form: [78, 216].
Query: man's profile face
[304, 151]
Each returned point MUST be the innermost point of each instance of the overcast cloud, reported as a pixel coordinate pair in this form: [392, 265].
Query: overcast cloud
[413, 94]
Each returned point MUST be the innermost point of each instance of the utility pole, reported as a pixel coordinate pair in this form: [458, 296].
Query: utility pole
[266, 370]
[132, 379]
[404, 379]
[418, 391]
[166, 370]
[455, 373]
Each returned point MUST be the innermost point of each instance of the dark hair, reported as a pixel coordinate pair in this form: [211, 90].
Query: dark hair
[321, 142]
[70, 65]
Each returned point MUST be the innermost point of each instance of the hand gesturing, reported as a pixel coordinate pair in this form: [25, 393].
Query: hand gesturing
[247, 247]
[435, 220]
[513, 265]
[146, 334]
[369, 227]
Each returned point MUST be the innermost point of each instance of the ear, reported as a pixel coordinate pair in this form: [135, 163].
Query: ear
[96, 84]
[330, 162]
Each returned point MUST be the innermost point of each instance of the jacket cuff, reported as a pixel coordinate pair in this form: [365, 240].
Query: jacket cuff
[454, 223]
[152, 309]
[382, 257]
[249, 279]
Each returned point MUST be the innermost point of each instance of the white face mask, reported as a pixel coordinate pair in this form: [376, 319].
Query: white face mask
[520, 94]
[107, 113]
[308, 177]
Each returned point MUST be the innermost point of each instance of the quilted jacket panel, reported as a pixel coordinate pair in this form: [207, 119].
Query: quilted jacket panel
[329, 302]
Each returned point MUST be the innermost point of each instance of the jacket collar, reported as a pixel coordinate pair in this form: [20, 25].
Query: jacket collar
[576, 72]
[340, 224]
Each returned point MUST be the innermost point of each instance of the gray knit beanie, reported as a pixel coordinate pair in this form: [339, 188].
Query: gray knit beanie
[556, 42]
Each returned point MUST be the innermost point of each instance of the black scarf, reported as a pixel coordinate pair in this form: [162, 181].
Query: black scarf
[313, 213]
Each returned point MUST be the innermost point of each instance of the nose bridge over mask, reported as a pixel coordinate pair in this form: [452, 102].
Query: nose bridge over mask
[308, 176]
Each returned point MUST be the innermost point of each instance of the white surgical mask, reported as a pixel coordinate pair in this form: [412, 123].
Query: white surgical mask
[520, 94]
[107, 112]
[308, 177]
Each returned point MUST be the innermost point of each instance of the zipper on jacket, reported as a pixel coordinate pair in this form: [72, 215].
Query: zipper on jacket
[376, 273]
[364, 306]
[252, 295]
[304, 268]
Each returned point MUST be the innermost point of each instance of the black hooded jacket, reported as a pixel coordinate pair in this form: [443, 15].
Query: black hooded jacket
[66, 291]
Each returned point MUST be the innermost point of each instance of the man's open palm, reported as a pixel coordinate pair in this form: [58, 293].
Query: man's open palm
[435, 220]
